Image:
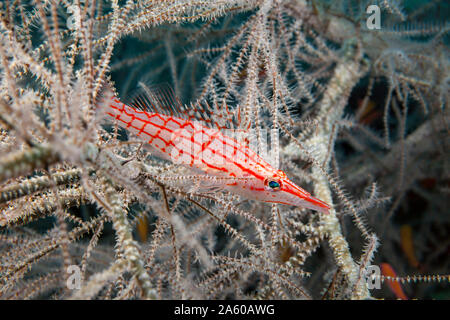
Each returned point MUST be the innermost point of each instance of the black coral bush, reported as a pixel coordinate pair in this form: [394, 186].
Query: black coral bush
[358, 117]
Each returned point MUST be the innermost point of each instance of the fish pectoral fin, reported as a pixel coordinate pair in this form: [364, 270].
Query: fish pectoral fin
[209, 189]
[207, 186]
[197, 183]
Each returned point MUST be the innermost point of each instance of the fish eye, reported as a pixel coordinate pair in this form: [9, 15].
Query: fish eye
[273, 185]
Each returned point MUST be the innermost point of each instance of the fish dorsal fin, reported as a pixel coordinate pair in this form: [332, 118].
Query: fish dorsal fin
[159, 99]
[162, 99]
[204, 112]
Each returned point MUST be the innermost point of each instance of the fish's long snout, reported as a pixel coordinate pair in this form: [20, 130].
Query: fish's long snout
[302, 198]
[319, 204]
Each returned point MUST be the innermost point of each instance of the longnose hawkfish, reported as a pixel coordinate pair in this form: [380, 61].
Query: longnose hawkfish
[206, 150]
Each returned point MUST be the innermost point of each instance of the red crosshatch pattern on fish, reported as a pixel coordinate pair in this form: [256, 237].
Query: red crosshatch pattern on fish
[209, 151]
